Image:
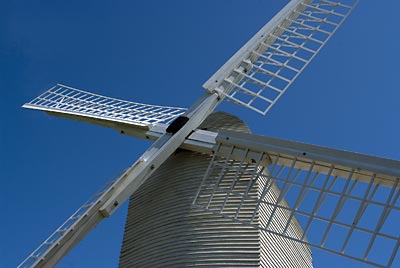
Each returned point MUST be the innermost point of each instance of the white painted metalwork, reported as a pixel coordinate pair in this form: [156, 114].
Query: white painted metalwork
[49, 246]
[255, 77]
[162, 230]
[132, 179]
[261, 71]
[346, 203]
[158, 153]
[67, 100]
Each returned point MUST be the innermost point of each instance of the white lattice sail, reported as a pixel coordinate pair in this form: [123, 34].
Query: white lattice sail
[71, 101]
[64, 234]
[261, 71]
[346, 203]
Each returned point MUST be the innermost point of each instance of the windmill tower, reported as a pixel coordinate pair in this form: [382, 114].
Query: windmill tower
[239, 82]
[182, 235]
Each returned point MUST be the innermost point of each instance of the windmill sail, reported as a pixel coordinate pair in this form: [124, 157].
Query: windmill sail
[262, 70]
[339, 198]
[77, 104]
[65, 235]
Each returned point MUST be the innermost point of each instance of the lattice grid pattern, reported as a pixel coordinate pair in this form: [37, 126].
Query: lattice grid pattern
[72, 222]
[265, 74]
[337, 211]
[74, 101]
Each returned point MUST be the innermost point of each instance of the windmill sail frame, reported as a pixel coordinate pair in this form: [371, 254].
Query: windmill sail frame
[342, 194]
[263, 69]
[68, 101]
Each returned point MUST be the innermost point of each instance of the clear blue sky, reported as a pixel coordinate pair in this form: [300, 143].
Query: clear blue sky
[160, 52]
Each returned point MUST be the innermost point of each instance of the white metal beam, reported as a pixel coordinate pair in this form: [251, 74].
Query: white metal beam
[386, 170]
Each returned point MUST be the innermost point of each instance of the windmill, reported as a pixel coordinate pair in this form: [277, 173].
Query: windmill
[61, 97]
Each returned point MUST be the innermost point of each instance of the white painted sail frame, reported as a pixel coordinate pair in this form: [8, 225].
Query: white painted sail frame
[341, 182]
[65, 100]
[263, 69]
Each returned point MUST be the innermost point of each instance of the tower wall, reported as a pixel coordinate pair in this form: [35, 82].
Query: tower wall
[163, 230]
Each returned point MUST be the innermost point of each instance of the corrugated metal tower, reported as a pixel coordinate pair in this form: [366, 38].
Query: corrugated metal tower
[163, 229]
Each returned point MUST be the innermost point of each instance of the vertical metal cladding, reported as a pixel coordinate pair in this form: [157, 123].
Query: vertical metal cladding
[163, 230]
[275, 250]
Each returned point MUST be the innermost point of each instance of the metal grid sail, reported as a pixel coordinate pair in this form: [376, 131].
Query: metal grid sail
[258, 74]
[346, 203]
[68, 100]
[59, 237]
